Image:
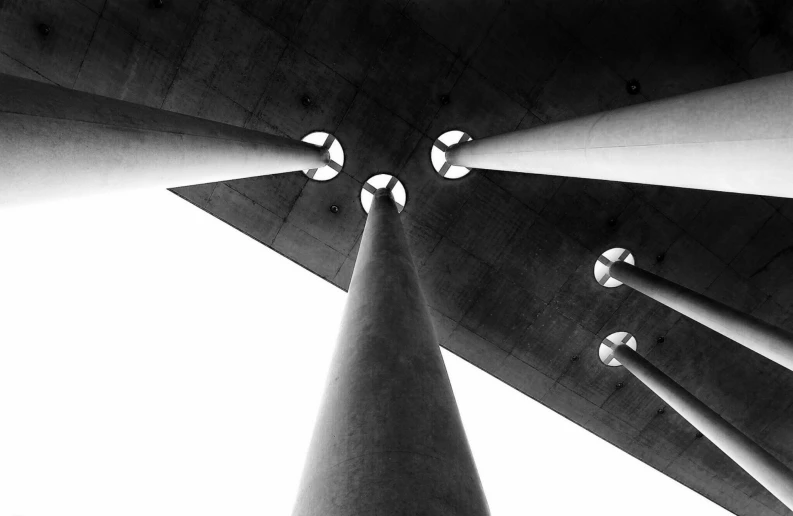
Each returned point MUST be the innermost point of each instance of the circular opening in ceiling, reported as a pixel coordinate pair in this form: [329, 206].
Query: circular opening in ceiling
[438, 154]
[333, 168]
[607, 354]
[387, 181]
[605, 260]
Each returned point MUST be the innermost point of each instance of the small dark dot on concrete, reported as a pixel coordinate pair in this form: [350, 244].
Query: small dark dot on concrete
[573, 358]
[620, 385]
[612, 222]
[661, 410]
[660, 339]
[306, 100]
[660, 257]
[445, 100]
[633, 87]
[44, 29]
[699, 435]
[334, 208]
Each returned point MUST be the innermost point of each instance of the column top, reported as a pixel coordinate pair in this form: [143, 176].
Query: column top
[383, 184]
[335, 156]
[607, 345]
[438, 154]
[604, 261]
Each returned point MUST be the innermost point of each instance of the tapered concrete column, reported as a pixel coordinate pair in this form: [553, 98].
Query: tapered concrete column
[771, 342]
[736, 138]
[760, 464]
[388, 439]
[56, 142]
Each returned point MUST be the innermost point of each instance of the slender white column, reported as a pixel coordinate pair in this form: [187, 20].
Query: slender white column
[760, 464]
[736, 138]
[56, 142]
[388, 439]
[773, 343]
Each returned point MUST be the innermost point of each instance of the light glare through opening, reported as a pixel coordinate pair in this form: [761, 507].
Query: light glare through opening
[379, 181]
[336, 151]
[438, 154]
[605, 260]
[606, 353]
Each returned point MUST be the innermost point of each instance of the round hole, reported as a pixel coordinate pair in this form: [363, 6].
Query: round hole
[333, 168]
[387, 181]
[605, 260]
[438, 154]
[607, 355]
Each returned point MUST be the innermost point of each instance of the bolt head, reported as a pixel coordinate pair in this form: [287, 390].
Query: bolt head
[633, 87]
[660, 257]
[334, 208]
[612, 222]
[620, 385]
[44, 29]
[306, 101]
[158, 3]
[661, 410]
[574, 358]
[660, 339]
[445, 100]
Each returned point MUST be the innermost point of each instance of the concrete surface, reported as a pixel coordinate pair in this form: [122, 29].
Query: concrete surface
[388, 438]
[503, 65]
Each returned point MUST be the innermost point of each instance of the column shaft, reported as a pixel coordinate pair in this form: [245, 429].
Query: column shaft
[760, 464]
[736, 138]
[56, 142]
[388, 439]
[771, 342]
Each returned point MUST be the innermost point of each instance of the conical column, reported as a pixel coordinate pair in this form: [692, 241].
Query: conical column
[56, 143]
[736, 138]
[388, 439]
[756, 461]
[771, 342]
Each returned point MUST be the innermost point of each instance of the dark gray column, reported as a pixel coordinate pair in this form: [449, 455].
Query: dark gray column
[56, 143]
[760, 464]
[388, 439]
[771, 342]
[735, 138]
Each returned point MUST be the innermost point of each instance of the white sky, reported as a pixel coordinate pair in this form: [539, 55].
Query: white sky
[153, 360]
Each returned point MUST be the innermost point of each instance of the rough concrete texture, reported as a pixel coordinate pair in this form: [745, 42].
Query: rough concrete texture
[388, 437]
[375, 72]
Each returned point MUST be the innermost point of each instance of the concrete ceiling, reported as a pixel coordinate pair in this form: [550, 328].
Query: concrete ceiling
[506, 259]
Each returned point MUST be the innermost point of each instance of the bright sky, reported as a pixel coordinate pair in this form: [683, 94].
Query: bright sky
[155, 361]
